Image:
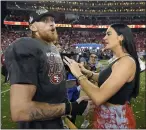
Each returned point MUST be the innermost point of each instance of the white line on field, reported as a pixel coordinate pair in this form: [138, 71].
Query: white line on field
[5, 91]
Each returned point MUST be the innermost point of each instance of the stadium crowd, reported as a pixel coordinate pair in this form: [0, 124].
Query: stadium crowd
[84, 19]
[66, 39]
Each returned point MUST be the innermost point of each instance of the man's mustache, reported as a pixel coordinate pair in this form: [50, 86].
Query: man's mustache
[53, 30]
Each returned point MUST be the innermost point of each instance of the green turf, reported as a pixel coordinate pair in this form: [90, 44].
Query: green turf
[5, 112]
[5, 107]
[138, 106]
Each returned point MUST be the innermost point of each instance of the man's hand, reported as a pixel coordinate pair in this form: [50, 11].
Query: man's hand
[83, 98]
[90, 107]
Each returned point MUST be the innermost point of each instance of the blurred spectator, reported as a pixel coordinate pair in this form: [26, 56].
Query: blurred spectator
[7, 37]
[93, 64]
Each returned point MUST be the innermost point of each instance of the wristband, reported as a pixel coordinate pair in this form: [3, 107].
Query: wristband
[78, 109]
[73, 108]
[68, 108]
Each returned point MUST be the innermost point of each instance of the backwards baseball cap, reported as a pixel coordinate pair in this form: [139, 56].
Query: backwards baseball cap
[38, 14]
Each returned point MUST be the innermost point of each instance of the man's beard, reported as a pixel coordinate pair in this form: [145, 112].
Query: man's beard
[50, 37]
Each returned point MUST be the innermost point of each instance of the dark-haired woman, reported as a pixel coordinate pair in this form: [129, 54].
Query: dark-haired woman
[117, 84]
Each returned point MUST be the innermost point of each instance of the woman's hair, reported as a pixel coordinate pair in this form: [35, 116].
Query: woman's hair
[129, 46]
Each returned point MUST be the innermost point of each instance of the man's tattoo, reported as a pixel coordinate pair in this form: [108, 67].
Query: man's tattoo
[41, 114]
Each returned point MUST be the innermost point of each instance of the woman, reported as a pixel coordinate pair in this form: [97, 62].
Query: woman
[117, 84]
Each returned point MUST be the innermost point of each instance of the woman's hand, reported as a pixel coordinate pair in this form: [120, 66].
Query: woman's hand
[74, 66]
[83, 70]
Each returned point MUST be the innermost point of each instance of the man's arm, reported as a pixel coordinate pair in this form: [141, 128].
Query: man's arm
[24, 109]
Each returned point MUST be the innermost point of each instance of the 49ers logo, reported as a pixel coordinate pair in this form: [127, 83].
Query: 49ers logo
[55, 68]
[56, 78]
